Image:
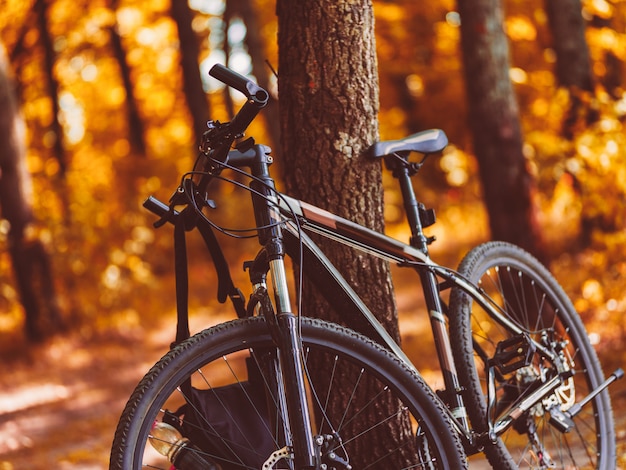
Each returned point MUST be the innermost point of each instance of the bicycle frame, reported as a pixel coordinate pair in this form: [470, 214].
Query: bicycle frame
[297, 217]
[319, 221]
[314, 219]
[283, 222]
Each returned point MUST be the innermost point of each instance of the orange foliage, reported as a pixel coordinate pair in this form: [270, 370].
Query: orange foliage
[109, 259]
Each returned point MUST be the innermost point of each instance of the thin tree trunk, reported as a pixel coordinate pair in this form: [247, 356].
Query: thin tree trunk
[227, 19]
[573, 65]
[41, 7]
[260, 69]
[494, 119]
[135, 124]
[189, 53]
[31, 263]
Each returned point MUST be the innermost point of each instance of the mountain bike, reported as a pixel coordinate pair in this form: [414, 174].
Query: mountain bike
[274, 389]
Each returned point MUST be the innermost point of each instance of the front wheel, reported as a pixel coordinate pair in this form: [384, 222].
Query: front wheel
[221, 391]
[528, 295]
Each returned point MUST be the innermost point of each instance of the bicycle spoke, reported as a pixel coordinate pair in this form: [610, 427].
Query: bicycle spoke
[528, 295]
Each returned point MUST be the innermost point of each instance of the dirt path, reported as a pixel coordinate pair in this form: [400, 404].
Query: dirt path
[59, 405]
[60, 402]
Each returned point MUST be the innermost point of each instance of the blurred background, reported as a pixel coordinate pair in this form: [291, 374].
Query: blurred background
[100, 110]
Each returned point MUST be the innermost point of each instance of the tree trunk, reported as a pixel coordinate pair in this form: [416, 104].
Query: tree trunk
[30, 261]
[53, 85]
[328, 109]
[227, 19]
[494, 119]
[260, 69]
[573, 65]
[192, 82]
[135, 124]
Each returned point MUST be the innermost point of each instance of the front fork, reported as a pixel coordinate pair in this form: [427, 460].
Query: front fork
[283, 324]
[300, 445]
[284, 329]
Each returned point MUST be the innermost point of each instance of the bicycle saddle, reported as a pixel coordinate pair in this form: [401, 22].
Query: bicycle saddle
[430, 141]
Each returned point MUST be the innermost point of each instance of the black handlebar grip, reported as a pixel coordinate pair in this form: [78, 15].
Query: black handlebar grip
[155, 206]
[240, 83]
[161, 209]
[244, 117]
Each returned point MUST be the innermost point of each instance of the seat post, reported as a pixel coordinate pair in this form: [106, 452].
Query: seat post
[401, 171]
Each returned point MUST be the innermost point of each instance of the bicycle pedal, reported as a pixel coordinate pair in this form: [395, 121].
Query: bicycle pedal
[512, 354]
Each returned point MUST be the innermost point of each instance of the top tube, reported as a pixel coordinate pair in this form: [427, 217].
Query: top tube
[351, 233]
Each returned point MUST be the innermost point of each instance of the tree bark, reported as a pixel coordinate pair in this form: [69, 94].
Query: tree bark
[31, 263]
[135, 124]
[53, 84]
[189, 53]
[256, 48]
[15, 184]
[227, 19]
[494, 120]
[573, 64]
[328, 111]
[328, 108]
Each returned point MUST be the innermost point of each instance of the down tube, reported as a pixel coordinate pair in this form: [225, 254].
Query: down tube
[337, 291]
[332, 285]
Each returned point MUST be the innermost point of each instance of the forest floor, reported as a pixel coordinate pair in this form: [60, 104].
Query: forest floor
[60, 401]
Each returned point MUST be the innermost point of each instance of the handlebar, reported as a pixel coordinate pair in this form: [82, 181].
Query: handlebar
[157, 207]
[221, 136]
[257, 97]
[251, 90]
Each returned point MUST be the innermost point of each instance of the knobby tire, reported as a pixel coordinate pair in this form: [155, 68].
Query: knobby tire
[423, 436]
[532, 298]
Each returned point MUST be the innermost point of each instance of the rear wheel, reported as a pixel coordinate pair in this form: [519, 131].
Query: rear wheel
[530, 297]
[229, 374]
